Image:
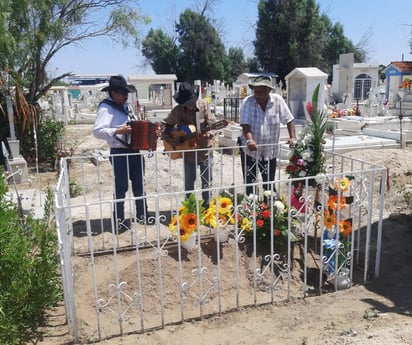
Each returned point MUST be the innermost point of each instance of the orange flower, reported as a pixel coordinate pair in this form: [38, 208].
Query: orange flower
[188, 222]
[345, 227]
[330, 219]
[333, 202]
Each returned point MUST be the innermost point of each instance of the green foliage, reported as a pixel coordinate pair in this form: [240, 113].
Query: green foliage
[33, 32]
[196, 53]
[161, 52]
[293, 34]
[29, 280]
[204, 52]
[49, 131]
[74, 189]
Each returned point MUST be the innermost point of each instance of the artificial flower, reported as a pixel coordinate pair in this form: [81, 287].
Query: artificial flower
[329, 220]
[306, 158]
[333, 202]
[344, 184]
[185, 223]
[345, 227]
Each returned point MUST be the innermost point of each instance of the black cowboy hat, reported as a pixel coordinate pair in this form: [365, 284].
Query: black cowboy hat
[187, 94]
[117, 83]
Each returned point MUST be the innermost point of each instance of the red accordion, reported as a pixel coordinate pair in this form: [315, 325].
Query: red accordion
[143, 136]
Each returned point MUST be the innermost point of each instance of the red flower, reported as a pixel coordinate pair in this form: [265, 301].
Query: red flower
[277, 232]
[259, 223]
[309, 108]
[265, 214]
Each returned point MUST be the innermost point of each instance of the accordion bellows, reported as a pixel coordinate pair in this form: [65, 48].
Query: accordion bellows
[143, 135]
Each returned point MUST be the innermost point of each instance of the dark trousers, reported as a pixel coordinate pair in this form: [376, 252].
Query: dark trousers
[251, 168]
[206, 177]
[127, 167]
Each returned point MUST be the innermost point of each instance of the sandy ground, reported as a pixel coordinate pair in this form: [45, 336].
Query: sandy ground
[379, 312]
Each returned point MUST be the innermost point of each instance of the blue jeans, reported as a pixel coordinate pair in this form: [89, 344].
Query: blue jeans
[206, 177]
[124, 168]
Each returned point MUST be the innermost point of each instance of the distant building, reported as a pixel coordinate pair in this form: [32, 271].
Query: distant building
[353, 81]
[396, 72]
[301, 83]
[88, 79]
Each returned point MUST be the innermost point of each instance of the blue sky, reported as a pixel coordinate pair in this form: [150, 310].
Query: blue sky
[387, 24]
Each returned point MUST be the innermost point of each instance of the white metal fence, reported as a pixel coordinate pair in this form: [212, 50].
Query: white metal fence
[142, 279]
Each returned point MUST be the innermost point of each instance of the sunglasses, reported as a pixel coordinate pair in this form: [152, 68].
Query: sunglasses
[121, 92]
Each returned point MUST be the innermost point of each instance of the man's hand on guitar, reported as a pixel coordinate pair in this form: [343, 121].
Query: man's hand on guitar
[174, 142]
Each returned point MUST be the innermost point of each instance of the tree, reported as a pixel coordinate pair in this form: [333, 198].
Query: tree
[202, 51]
[236, 65]
[161, 52]
[33, 31]
[292, 33]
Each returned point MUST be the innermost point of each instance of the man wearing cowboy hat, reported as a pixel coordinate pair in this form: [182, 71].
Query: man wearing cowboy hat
[111, 125]
[183, 115]
[260, 118]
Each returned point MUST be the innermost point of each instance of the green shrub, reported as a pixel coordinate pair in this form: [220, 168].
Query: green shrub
[29, 279]
[75, 189]
[49, 132]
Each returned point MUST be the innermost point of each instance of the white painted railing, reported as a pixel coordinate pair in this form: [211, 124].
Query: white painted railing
[142, 278]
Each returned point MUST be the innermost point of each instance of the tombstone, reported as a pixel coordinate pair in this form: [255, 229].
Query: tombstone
[18, 164]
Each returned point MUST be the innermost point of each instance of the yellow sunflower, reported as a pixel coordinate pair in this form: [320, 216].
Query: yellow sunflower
[185, 234]
[173, 224]
[225, 205]
[209, 217]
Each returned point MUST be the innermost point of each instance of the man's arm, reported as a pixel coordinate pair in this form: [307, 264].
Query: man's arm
[291, 130]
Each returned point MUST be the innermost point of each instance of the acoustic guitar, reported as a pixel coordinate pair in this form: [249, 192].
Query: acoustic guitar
[187, 137]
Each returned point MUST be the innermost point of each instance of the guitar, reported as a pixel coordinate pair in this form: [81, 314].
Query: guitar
[187, 137]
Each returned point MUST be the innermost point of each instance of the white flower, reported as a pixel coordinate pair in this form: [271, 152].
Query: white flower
[279, 205]
[319, 178]
[267, 193]
[306, 155]
[302, 173]
[253, 197]
[308, 138]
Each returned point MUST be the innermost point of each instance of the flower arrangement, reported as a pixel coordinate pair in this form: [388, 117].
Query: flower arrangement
[346, 112]
[262, 215]
[220, 212]
[334, 222]
[406, 84]
[185, 223]
[307, 158]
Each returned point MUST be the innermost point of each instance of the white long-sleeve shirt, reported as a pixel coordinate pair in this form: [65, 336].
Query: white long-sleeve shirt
[107, 120]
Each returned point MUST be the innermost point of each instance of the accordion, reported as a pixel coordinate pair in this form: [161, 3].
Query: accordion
[143, 135]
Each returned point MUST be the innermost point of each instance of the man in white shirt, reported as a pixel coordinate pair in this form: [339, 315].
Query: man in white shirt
[112, 125]
[260, 117]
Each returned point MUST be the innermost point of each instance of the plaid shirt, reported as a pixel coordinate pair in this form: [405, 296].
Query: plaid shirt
[265, 125]
[181, 116]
